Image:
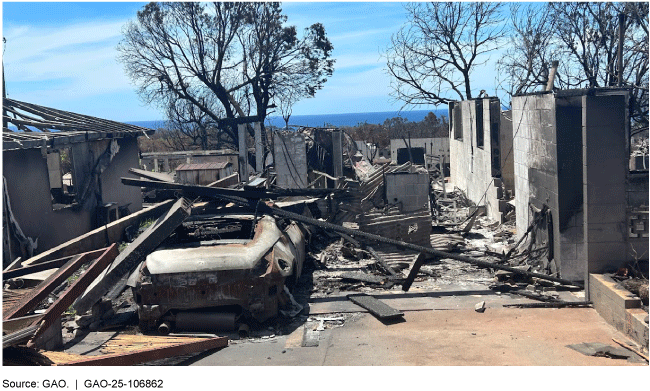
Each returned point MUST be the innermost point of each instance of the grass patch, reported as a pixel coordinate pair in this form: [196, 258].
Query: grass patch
[70, 311]
[146, 223]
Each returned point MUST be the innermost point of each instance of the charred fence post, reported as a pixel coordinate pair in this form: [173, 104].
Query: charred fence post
[419, 261]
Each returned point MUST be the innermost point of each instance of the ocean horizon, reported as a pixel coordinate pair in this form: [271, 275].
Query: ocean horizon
[322, 120]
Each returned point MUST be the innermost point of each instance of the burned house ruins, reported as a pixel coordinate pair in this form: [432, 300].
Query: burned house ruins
[62, 170]
[539, 205]
[480, 138]
[571, 153]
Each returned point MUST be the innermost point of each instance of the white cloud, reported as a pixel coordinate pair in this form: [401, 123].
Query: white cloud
[358, 59]
[25, 42]
[75, 61]
[355, 35]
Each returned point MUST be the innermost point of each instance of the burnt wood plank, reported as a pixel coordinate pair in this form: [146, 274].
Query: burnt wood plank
[76, 289]
[100, 237]
[53, 264]
[39, 293]
[378, 308]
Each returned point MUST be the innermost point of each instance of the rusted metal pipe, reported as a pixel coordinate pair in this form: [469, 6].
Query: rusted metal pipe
[621, 39]
[551, 75]
[164, 328]
[243, 330]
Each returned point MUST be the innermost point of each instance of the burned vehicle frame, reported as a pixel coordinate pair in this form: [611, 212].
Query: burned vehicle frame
[210, 285]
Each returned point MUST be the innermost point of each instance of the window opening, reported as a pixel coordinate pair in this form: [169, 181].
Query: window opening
[479, 124]
[62, 187]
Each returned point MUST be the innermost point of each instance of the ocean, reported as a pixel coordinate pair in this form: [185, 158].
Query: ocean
[319, 120]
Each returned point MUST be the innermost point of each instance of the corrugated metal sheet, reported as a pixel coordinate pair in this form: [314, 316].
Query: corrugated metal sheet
[202, 166]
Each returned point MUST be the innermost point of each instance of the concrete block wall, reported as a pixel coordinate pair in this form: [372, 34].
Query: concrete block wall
[409, 189]
[113, 190]
[28, 186]
[521, 145]
[470, 165]
[637, 214]
[605, 159]
[637, 191]
[570, 154]
[569, 164]
[536, 174]
[290, 157]
[432, 146]
[618, 307]
[538, 180]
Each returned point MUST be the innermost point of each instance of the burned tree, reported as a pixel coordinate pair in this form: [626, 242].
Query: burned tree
[224, 60]
[189, 128]
[524, 66]
[585, 38]
[175, 51]
[277, 63]
[432, 58]
[286, 102]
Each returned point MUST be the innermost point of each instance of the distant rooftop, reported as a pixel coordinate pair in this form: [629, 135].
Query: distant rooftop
[202, 166]
[26, 125]
[181, 154]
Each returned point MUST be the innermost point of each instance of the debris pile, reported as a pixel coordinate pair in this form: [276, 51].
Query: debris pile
[247, 257]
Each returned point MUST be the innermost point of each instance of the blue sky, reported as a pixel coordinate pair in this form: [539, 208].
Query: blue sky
[63, 55]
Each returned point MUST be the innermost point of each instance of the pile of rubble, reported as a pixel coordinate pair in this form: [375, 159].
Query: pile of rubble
[247, 258]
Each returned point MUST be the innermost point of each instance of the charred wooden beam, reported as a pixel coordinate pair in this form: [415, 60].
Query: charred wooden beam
[381, 261]
[134, 253]
[39, 293]
[77, 288]
[39, 267]
[194, 345]
[100, 237]
[251, 194]
[378, 308]
[419, 261]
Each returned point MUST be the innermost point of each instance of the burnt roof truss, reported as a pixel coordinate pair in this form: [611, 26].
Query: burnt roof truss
[26, 125]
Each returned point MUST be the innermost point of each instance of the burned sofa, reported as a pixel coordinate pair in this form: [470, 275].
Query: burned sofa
[209, 285]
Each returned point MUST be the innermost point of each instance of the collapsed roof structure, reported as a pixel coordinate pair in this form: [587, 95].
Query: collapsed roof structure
[62, 169]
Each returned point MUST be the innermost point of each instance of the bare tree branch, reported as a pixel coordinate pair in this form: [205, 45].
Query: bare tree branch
[432, 58]
[206, 62]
